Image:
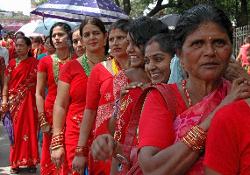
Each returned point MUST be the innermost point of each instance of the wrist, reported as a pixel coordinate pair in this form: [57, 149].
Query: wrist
[82, 151]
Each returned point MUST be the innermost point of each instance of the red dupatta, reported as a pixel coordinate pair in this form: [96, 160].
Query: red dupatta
[196, 114]
[22, 79]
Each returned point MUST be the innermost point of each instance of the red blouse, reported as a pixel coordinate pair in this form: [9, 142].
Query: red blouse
[156, 123]
[228, 141]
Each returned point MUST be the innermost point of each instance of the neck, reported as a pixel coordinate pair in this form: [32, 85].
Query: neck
[95, 57]
[199, 89]
[22, 57]
[123, 62]
[63, 54]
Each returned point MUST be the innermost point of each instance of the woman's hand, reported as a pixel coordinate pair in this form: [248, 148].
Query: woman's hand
[240, 90]
[57, 156]
[235, 71]
[79, 163]
[132, 85]
[103, 147]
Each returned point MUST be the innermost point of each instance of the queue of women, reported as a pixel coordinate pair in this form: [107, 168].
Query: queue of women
[105, 107]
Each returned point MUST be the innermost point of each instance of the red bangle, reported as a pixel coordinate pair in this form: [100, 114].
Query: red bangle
[82, 151]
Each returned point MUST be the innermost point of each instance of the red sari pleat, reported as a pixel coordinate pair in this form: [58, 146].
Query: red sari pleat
[23, 111]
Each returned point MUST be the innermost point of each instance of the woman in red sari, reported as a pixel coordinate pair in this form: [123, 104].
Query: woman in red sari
[48, 75]
[71, 93]
[204, 44]
[19, 98]
[100, 98]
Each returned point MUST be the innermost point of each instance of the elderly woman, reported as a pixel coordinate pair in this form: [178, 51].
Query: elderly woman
[173, 143]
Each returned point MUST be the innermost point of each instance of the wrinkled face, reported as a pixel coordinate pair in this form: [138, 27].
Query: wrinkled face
[157, 63]
[78, 43]
[93, 38]
[21, 48]
[206, 52]
[60, 38]
[118, 43]
[135, 54]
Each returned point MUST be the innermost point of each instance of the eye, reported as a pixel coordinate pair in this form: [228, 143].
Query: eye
[197, 43]
[86, 35]
[120, 37]
[96, 33]
[111, 39]
[158, 58]
[219, 42]
[146, 60]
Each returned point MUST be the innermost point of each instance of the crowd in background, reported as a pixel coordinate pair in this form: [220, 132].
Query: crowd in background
[133, 98]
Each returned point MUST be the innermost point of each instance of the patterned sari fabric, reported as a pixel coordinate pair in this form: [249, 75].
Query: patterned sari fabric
[23, 112]
[168, 130]
[100, 97]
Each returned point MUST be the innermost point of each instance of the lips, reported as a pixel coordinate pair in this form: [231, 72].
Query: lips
[210, 65]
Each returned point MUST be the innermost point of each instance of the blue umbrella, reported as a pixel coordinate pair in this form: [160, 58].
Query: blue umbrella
[77, 10]
[45, 26]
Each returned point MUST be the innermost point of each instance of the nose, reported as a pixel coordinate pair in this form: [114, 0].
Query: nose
[129, 49]
[79, 43]
[151, 66]
[209, 49]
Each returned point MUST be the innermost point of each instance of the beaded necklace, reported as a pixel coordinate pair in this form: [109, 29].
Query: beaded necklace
[85, 65]
[186, 93]
[18, 61]
[56, 61]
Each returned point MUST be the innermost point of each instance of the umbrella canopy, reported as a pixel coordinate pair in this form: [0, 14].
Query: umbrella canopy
[170, 20]
[44, 27]
[39, 27]
[77, 10]
[29, 28]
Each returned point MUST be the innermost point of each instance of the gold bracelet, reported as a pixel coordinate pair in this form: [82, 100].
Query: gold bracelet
[82, 151]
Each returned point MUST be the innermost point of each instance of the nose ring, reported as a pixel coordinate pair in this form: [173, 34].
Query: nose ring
[215, 51]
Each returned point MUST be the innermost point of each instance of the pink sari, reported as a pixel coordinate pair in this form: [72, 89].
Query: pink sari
[196, 114]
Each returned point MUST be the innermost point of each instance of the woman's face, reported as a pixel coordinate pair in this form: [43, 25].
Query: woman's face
[78, 43]
[135, 54]
[48, 46]
[60, 38]
[118, 43]
[93, 38]
[206, 52]
[157, 63]
[21, 48]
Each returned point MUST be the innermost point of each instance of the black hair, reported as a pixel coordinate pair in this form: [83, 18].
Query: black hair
[94, 21]
[192, 18]
[143, 28]
[122, 24]
[27, 42]
[19, 33]
[165, 41]
[66, 27]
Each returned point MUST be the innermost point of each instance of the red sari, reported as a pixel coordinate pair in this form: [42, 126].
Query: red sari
[22, 105]
[100, 98]
[46, 66]
[228, 140]
[168, 129]
[74, 75]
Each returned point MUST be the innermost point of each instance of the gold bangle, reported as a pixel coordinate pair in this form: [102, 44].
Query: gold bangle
[82, 151]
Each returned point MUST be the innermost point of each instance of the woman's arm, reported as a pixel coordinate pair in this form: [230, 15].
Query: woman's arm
[209, 171]
[178, 158]
[5, 90]
[60, 107]
[40, 91]
[87, 124]
[59, 114]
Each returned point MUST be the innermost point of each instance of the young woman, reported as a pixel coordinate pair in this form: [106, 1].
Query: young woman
[158, 61]
[77, 42]
[48, 75]
[48, 47]
[204, 44]
[18, 97]
[100, 99]
[71, 92]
